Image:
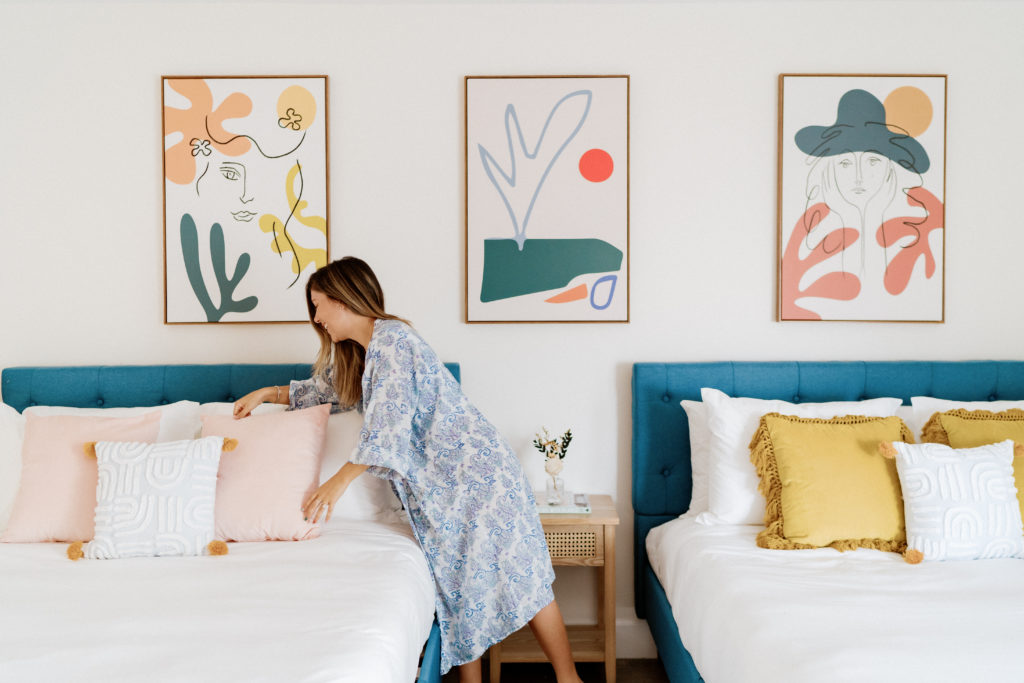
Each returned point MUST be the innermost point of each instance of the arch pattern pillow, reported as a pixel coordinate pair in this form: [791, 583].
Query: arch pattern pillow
[963, 428]
[961, 504]
[155, 499]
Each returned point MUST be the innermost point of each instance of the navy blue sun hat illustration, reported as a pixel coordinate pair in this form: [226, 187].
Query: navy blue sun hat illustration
[860, 127]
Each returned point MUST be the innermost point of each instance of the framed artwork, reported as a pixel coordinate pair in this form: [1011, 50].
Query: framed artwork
[547, 199]
[861, 197]
[245, 196]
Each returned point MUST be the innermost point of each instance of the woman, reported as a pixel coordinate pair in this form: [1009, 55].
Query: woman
[471, 509]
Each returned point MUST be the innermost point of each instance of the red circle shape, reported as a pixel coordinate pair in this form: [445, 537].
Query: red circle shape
[596, 165]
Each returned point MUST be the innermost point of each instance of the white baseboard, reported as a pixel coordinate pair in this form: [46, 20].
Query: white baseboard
[633, 639]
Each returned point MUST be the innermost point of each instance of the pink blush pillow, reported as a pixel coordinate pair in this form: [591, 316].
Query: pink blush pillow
[56, 499]
[263, 482]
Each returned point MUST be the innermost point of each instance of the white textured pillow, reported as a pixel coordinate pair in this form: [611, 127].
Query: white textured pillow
[926, 406]
[178, 420]
[733, 497]
[960, 504]
[12, 433]
[700, 454]
[367, 497]
[155, 499]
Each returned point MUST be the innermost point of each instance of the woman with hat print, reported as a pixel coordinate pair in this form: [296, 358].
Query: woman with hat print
[868, 216]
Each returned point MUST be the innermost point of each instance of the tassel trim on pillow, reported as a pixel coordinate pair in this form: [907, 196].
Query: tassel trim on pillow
[762, 455]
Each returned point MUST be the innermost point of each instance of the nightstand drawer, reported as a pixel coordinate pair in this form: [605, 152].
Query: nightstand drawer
[577, 544]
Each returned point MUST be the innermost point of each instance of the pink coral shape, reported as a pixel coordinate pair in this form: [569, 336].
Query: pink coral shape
[901, 267]
[179, 160]
[838, 285]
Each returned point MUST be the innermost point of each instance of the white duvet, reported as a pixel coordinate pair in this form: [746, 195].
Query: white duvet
[747, 614]
[354, 605]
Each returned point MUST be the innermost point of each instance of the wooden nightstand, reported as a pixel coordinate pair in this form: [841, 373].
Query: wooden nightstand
[578, 541]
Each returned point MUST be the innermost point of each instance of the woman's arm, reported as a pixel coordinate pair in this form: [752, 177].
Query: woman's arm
[323, 499]
[245, 405]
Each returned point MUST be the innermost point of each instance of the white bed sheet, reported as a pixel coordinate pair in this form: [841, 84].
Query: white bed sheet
[749, 614]
[354, 605]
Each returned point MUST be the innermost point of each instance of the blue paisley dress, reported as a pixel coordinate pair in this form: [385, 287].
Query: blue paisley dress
[469, 503]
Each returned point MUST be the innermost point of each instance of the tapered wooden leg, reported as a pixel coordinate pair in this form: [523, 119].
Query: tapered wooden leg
[608, 603]
[495, 657]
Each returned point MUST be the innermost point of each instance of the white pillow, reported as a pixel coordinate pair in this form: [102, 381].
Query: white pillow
[155, 499]
[229, 409]
[926, 406]
[700, 454]
[367, 497]
[178, 420]
[12, 433]
[909, 417]
[733, 497]
[960, 504]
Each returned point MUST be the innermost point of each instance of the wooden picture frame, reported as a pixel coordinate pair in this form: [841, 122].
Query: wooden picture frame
[246, 202]
[861, 197]
[547, 199]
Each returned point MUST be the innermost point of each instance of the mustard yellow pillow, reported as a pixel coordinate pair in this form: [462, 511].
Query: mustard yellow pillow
[972, 428]
[826, 485]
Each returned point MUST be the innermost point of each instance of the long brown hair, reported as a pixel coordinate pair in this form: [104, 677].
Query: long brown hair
[352, 282]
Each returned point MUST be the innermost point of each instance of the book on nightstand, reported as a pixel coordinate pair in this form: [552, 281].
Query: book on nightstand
[574, 504]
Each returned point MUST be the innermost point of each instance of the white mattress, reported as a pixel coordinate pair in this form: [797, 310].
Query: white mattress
[354, 605]
[748, 614]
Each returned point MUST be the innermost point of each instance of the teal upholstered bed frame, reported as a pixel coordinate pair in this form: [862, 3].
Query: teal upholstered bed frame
[112, 386]
[661, 439]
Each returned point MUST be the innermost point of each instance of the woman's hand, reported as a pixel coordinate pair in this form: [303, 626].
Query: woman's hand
[323, 499]
[245, 405]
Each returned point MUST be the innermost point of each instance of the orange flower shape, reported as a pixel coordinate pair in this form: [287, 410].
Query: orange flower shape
[180, 160]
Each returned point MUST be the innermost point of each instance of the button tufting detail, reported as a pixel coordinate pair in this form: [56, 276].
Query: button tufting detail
[992, 397]
[666, 398]
[665, 472]
[99, 401]
[164, 401]
[231, 399]
[796, 398]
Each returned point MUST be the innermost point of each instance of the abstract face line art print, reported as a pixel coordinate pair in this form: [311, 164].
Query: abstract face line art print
[547, 199]
[861, 222]
[245, 189]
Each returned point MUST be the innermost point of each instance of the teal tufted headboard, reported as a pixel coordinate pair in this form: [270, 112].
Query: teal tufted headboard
[114, 386]
[661, 437]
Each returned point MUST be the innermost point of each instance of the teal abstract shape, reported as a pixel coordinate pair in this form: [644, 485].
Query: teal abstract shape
[541, 265]
[226, 285]
[861, 127]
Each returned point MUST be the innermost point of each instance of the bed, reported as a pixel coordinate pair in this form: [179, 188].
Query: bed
[721, 609]
[355, 604]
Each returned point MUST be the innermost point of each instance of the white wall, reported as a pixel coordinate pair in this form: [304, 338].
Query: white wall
[80, 188]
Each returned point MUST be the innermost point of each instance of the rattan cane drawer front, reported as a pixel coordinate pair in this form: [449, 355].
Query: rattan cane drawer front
[576, 544]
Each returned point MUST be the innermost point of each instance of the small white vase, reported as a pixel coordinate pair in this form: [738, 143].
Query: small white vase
[554, 491]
